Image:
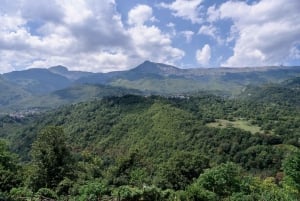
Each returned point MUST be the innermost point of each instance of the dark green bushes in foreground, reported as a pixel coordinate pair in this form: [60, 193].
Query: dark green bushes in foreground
[226, 181]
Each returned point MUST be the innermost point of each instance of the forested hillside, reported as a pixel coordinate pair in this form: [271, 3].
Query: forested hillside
[42, 89]
[200, 147]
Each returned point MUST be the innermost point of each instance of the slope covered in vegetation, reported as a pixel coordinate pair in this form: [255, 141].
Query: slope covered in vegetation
[157, 148]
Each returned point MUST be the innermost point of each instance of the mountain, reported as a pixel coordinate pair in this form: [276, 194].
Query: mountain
[293, 83]
[166, 79]
[71, 75]
[10, 93]
[146, 69]
[154, 78]
[284, 93]
[150, 68]
[38, 81]
[47, 88]
[70, 95]
[99, 78]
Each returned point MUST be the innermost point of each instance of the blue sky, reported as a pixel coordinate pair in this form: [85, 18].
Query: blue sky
[110, 35]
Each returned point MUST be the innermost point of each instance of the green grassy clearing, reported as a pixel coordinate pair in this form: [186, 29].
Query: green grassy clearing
[241, 124]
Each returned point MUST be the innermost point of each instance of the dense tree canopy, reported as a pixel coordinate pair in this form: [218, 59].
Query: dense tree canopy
[9, 168]
[51, 158]
[201, 147]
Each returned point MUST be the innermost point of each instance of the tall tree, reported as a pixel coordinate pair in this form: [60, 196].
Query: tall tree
[51, 158]
[291, 168]
[9, 168]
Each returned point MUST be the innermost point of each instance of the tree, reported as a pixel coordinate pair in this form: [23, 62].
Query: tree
[291, 169]
[9, 169]
[181, 169]
[93, 191]
[51, 158]
[222, 180]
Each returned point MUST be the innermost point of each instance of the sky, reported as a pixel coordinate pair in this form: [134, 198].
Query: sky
[112, 35]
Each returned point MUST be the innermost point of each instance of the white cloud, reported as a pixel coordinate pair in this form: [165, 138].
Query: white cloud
[295, 53]
[42, 10]
[203, 55]
[188, 35]
[152, 44]
[11, 23]
[264, 33]
[99, 28]
[211, 31]
[76, 12]
[149, 42]
[87, 35]
[171, 25]
[172, 28]
[208, 30]
[186, 9]
[212, 14]
[139, 15]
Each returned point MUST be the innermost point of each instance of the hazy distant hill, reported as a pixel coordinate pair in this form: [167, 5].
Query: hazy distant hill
[70, 95]
[166, 79]
[285, 93]
[9, 93]
[71, 75]
[57, 85]
[38, 81]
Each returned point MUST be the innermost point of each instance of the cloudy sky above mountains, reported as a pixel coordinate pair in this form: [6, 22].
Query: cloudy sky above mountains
[109, 35]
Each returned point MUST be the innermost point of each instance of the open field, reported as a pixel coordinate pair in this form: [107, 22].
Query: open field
[241, 124]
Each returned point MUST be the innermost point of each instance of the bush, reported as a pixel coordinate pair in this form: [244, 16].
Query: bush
[19, 194]
[128, 193]
[93, 191]
[46, 193]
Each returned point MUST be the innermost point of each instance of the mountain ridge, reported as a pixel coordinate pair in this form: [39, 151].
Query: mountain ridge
[64, 71]
[37, 80]
[28, 86]
[63, 68]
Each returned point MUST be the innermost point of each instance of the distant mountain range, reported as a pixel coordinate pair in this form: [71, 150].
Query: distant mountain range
[44, 88]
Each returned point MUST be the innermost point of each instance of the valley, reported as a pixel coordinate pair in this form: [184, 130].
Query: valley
[158, 137]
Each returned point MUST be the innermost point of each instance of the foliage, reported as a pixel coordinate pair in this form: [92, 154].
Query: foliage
[93, 191]
[222, 180]
[45, 193]
[178, 172]
[51, 159]
[20, 193]
[156, 148]
[9, 169]
[291, 168]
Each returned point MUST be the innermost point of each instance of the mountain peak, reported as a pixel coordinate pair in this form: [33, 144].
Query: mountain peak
[147, 62]
[59, 68]
[149, 67]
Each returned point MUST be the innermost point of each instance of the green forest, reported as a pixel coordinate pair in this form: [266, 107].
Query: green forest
[198, 147]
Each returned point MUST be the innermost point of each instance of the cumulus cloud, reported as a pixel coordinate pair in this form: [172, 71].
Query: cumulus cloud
[211, 31]
[212, 14]
[151, 43]
[189, 10]
[140, 14]
[208, 30]
[265, 33]
[188, 35]
[42, 10]
[81, 34]
[295, 53]
[96, 26]
[203, 55]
